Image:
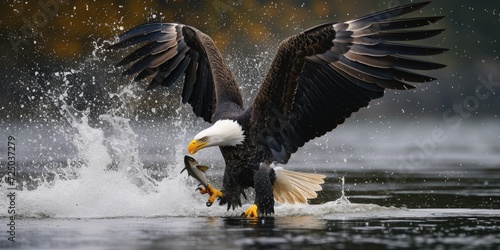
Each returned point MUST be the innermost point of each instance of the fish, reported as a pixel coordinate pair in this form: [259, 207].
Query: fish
[198, 172]
[195, 170]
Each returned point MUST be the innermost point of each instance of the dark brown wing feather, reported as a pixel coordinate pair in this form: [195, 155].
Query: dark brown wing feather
[170, 50]
[319, 77]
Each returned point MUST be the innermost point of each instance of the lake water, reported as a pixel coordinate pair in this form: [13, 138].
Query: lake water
[116, 184]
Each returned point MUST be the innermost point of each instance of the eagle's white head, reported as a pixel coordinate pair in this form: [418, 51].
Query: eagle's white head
[222, 133]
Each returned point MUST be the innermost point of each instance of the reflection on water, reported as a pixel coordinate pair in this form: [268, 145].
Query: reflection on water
[419, 232]
[423, 229]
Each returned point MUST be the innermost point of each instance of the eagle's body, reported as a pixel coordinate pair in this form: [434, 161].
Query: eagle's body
[317, 79]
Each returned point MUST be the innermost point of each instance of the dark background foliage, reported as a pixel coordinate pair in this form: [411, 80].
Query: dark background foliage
[39, 38]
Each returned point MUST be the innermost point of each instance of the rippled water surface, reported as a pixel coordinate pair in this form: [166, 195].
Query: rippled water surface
[429, 228]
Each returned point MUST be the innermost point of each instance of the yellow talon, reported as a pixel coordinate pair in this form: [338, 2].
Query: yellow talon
[214, 193]
[202, 190]
[251, 212]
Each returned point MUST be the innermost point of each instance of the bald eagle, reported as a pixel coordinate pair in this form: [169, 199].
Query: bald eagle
[317, 79]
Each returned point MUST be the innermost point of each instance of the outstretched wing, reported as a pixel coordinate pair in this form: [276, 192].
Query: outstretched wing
[170, 50]
[319, 77]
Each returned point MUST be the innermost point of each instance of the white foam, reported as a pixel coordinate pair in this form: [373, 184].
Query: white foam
[340, 206]
[112, 196]
[109, 194]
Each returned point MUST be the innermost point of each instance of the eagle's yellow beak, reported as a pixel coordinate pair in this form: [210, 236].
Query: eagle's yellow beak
[195, 145]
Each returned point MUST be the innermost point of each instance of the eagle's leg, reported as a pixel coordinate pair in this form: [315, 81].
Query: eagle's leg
[213, 192]
[251, 212]
[264, 198]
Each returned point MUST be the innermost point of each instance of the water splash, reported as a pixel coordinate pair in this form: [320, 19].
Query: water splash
[105, 176]
[340, 205]
[343, 198]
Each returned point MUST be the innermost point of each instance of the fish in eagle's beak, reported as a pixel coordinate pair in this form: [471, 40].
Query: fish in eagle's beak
[196, 145]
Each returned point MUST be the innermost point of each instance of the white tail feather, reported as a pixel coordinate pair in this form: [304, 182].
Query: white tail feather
[296, 187]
